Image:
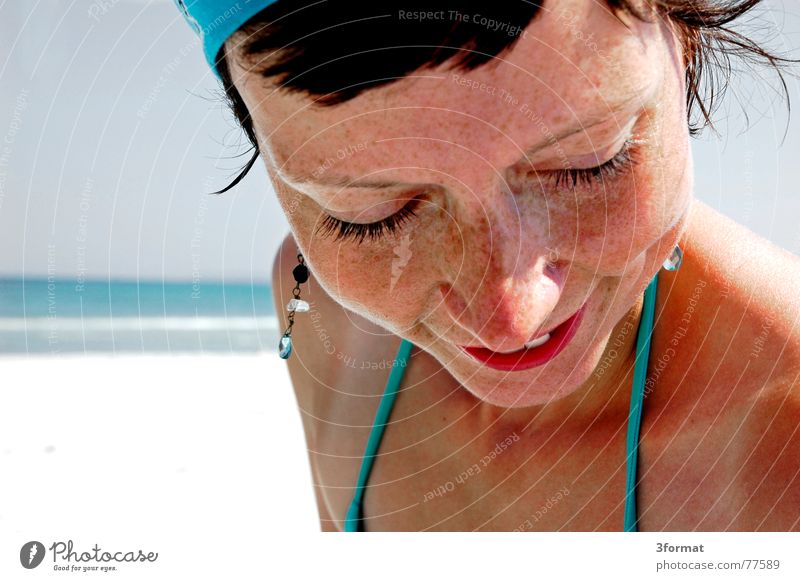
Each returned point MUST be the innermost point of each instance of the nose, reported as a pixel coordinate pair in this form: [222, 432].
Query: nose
[505, 299]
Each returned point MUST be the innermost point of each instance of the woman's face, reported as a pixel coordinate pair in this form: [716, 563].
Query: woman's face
[501, 248]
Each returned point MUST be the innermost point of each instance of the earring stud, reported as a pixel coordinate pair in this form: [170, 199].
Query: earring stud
[675, 259]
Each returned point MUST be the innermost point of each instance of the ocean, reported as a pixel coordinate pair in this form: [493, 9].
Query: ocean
[49, 316]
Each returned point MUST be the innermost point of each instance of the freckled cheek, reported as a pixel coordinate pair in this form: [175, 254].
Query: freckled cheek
[383, 281]
[385, 288]
[357, 277]
[352, 278]
[612, 231]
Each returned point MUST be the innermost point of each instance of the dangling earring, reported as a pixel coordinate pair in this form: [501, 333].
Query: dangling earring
[295, 305]
[675, 259]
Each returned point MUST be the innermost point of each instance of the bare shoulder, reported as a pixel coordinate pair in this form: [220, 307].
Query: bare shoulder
[749, 323]
[338, 368]
[752, 287]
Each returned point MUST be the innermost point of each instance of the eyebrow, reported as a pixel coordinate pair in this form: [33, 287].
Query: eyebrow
[347, 182]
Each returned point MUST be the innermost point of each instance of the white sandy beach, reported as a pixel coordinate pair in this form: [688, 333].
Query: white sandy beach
[200, 458]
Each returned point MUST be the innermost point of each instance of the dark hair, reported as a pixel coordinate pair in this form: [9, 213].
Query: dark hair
[333, 50]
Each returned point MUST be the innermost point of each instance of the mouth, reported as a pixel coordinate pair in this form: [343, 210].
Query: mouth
[536, 352]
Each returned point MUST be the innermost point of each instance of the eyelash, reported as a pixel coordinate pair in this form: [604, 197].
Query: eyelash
[611, 169]
[373, 231]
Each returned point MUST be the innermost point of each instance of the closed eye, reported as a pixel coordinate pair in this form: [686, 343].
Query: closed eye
[373, 230]
[613, 168]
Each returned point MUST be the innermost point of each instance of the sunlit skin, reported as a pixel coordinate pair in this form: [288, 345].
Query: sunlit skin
[498, 253]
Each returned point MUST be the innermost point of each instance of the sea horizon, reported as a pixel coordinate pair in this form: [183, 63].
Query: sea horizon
[41, 315]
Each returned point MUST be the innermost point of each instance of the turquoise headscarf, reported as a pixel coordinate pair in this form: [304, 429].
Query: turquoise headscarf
[216, 20]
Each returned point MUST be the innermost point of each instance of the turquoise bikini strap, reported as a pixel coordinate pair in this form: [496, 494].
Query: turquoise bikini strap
[637, 395]
[353, 518]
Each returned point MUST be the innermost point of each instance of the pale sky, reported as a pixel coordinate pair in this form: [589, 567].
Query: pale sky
[110, 132]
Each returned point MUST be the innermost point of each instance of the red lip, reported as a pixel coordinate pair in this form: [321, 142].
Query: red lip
[535, 356]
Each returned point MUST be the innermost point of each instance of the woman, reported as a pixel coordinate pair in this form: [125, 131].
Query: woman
[495, 204]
